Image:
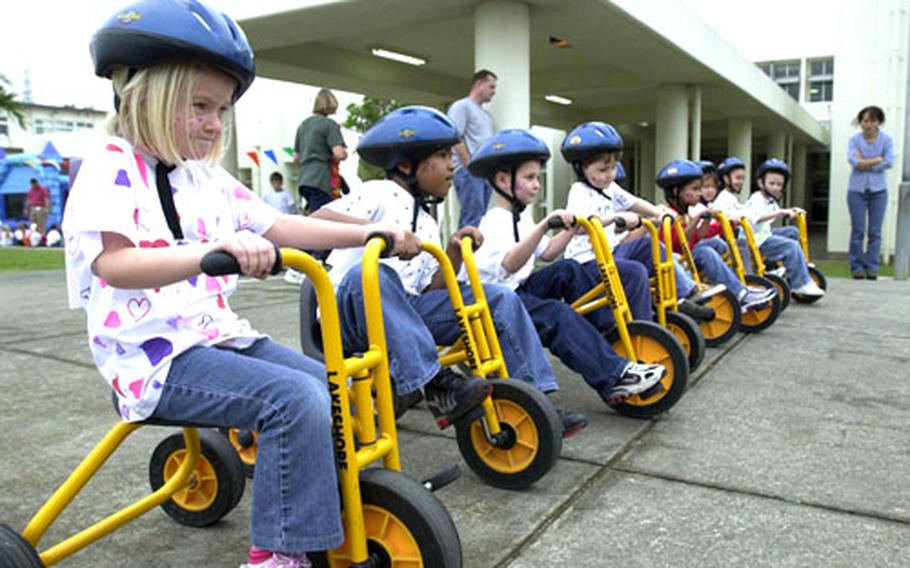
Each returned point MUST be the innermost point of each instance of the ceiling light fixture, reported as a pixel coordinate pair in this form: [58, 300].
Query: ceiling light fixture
[400, 57]
[558, 100]
[559, 43]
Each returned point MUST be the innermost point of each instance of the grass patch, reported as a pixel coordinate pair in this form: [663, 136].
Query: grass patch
[841, 269]
[25, 259]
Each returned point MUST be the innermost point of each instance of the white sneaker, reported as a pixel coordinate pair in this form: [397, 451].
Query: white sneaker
[780, 272]
[636, 378]
[755, 298]
[293, 276]
[810, 288]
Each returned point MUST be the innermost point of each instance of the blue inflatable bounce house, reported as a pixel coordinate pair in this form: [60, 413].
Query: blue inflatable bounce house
[16, 171]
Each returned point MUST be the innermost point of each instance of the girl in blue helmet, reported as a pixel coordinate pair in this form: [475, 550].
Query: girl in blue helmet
[594, 149]
[512, 161]
[780, 243]
[413, 145]
[148, 203]
[681, 182]
[709, 182]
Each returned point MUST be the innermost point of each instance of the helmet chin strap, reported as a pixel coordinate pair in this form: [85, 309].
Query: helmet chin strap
[517, 206]
[580, 174]
[421, 201]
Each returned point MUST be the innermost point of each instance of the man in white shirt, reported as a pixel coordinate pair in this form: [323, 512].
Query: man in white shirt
[475, 126]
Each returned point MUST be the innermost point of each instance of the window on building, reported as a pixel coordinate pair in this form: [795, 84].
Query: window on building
[84, 125]
[785, 74]
[43, 126]
[63, 125]
[4, 125]
[821, 80]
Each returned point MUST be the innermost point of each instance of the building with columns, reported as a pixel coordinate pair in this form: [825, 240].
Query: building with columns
[668, 81]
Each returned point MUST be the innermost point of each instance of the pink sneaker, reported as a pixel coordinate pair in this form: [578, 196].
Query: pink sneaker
[281, 560]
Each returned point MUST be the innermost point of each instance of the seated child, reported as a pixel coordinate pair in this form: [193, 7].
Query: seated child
[681, 182]
[594, 149]
[512, 161]
[148, 203]
[413, 145]
[780, 243]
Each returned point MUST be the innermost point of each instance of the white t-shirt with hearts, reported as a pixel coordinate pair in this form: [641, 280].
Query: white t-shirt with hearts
[135, 334]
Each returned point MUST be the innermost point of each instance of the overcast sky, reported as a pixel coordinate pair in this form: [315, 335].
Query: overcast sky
[51, 38]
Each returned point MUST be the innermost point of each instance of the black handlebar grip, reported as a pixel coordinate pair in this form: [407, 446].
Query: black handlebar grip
[220, 263]
[555, 223]
[706, 215]
[387, 251]
[620, 223]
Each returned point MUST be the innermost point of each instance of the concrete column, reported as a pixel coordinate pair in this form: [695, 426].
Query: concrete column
[229, 160]
[502, 45]
[647, 170]
[777, 146]
[695, 123]
[799, 195]
[739, 144]
[672, 125]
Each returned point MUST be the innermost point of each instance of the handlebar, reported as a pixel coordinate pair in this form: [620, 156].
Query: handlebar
[556, 223]
[221, 263]
[389, 243]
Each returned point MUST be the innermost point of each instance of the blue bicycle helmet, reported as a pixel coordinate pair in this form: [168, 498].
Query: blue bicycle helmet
[729, 165]
[407, 134]
[675, 175]
[588, 140]
[620, 173]
[773, 165]
[152, 32]
[508, 150]
[707, 167]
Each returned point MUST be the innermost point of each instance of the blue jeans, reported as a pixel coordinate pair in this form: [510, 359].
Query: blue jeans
[567, 334]
[281, 394]
[640, 250]
[634, 278]
[788, 232]
[315, 198]
[861, 204]
[473, 197]
[787, 250]
[708, 258]
[414, 325]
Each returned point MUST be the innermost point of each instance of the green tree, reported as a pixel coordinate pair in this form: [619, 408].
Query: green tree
[360, 118]
[8, 102]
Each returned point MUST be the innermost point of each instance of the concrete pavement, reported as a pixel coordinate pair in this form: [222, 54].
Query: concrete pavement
[791, 448]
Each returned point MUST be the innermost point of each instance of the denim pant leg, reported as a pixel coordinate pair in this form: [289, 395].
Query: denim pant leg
[473, 197]
[789, 251]
[566, 280]
[709, 261]
[413, 360]
[572, 339]
[878, 202]
[788, 232]
[856, 203]
[748, 262]
[635, 281]
[521, 348]
[281, 394]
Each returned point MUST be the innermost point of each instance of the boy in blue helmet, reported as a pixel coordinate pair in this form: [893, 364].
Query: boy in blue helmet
[512, 161]
[594, 149]
[681, 182]
[781, 243]
[413, 145]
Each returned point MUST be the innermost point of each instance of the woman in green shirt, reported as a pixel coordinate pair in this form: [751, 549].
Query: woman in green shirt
[318, 143]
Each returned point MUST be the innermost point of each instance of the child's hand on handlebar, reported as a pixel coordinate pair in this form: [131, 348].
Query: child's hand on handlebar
[460, 234]
[405, 244]
[560, 218]
[254, 254]
[629, 221]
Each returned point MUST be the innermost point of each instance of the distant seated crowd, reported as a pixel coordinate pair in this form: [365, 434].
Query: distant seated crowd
[29, 236]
